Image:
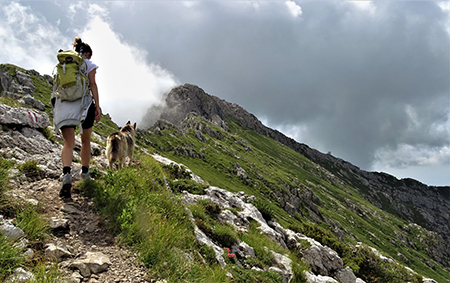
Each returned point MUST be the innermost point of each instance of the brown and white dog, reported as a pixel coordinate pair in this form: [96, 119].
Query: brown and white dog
[120, 145]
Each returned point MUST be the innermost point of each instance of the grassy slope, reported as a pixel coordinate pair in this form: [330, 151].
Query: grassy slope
[280, 165]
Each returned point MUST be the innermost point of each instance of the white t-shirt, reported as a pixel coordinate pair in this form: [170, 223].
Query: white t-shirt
[89, 66]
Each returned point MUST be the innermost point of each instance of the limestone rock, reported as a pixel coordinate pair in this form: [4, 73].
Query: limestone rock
[284, 264]
[11, 232]
[21, 275]
[203, 239]
[57, 252]
[242, 250]
[322, 259]
[59, 224]
[311, 278]
[28, 100]
[23, 117]
[93, 262]
[345, 275]
[240, 172]
[25, 80]
[82, 267]
[69, 208]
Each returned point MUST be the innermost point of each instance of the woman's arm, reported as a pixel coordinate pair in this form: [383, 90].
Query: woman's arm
[94, 90]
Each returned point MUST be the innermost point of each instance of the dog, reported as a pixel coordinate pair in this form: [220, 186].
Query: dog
[120, 145]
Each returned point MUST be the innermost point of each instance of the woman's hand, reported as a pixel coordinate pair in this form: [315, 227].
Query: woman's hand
[98, 113]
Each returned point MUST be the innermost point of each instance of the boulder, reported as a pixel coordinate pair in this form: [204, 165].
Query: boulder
[284, 264]
[240, 172]
[345, 275]
[322, 259]
[57, 252]
[21, 275]
[311, 278]
[10, 231]
[242, 249]
[23, 117]
[28, 100]
[92, 263]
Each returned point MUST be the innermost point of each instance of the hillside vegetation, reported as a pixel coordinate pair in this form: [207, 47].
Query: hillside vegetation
[143, 206]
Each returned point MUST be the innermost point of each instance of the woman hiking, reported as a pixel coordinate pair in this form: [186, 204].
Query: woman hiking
[69, 114]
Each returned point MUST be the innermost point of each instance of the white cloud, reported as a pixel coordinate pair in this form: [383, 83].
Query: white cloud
[128, 85]
[28, 41]
[445, 5]
[365, 6]
[294, 9]
[405, 155]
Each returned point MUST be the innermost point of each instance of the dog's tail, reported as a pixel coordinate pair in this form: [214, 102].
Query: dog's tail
[112, 149]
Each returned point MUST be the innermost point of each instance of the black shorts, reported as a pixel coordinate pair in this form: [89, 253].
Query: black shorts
[89, 121]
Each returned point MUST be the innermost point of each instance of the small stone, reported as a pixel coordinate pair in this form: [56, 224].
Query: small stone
[57, 252]
[21, 275]
[70, 209]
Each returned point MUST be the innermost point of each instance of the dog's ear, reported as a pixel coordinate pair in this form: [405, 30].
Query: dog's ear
[134, 126]
[128, 123]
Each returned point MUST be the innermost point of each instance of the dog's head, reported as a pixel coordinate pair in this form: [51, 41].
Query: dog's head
[129, 128]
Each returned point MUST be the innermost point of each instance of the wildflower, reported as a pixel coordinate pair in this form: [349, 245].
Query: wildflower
[231, 255]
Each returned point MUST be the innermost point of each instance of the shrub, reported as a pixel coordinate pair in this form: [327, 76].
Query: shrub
[265, 207]
[29, 167]
[48, 134]
[10, 257]
[189, 186]
[177, 172]
[223, 235]
[211, 208]
[208, 254]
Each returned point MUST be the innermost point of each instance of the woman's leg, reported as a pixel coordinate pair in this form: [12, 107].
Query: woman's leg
[69, 144]
[86, 147]
[66, 157]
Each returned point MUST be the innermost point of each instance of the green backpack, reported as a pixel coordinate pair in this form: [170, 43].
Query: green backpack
[70, 82]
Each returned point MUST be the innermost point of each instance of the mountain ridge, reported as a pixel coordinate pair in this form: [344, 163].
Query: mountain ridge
[383, 190]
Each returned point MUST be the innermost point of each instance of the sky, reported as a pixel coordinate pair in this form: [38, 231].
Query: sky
[368, 82]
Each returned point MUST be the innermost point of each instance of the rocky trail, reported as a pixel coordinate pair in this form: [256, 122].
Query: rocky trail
[79, 233]
[79, 241]
[81, 244]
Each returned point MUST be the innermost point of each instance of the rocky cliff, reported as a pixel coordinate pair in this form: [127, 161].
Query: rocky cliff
[409, 199]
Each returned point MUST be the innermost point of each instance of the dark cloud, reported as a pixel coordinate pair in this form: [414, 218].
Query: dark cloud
[361, 82]
[352, 77]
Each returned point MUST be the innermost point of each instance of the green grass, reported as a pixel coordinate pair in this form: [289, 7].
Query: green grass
[272, 169]
[28, 218]
[10, 257]
[149, 218]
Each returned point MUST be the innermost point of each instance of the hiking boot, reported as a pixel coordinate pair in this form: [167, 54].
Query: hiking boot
[85, 176]
[66, 181]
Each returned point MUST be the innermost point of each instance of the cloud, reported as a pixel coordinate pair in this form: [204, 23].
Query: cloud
[294, 9]
[27, 38]
[128, 83]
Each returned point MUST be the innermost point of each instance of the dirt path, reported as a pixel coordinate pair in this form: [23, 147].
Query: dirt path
[85, 232]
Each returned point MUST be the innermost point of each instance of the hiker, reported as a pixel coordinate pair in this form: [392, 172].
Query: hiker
[69, 114]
